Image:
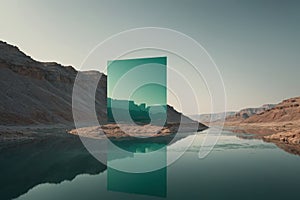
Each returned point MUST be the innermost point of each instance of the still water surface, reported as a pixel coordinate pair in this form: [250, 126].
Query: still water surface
[236, 169]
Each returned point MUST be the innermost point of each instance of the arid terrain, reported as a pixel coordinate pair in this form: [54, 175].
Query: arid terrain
[279, 124]
[123, 131]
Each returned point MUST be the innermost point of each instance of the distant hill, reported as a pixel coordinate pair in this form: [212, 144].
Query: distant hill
[248, 112]
[204, 118]
[279, 123]
[33, 92]
[287, 110]
[232, 116]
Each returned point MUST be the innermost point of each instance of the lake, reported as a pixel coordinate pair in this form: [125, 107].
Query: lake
[237, 168]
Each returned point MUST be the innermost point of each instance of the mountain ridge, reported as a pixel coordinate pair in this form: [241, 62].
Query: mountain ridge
[248, 112]
[286, 110]
[34, 92]
[279, 124]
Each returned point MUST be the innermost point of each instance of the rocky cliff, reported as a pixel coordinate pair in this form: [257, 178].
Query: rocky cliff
[34, 92]
[287, 110]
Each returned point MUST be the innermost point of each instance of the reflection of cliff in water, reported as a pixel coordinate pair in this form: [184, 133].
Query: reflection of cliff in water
[289, 148]
[53, 159]
[44, 160]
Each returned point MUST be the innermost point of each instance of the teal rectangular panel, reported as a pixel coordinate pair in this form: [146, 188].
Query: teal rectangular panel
[137, 87]
[136, 93]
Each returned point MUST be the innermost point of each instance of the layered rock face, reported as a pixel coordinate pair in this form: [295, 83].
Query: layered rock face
[248, 112]
[287, 110]
[280, 123]
[33, 92]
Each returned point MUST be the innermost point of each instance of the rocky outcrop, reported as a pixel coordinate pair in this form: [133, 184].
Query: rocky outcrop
[287, 112]
[289, 137]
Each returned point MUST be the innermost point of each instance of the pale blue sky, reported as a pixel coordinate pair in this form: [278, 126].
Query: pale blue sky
[255, 44]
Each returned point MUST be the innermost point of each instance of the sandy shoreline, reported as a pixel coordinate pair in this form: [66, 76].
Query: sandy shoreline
[29, 132]
[123, 131]
[286, 135]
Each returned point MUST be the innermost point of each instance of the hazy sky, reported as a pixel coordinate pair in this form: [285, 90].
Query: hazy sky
[255, 44]
[140, 80]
